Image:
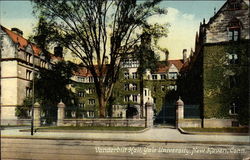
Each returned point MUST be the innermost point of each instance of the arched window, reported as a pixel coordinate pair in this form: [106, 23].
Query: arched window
[234, 27]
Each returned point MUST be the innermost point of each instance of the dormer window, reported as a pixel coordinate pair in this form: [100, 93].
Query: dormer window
[234, 30]
[234, 34]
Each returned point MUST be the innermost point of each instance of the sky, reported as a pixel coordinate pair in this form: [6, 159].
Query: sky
[184, 18]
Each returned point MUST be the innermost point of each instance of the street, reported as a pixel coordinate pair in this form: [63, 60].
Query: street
[48, 149]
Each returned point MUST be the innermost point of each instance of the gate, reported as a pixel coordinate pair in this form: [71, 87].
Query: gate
[191, 111]
[167, 116]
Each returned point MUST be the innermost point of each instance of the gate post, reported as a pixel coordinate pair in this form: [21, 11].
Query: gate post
[37, 116]
[149, 115]
[60, 113]
[179, 111]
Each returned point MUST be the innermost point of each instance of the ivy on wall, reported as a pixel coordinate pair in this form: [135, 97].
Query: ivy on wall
[224, 81]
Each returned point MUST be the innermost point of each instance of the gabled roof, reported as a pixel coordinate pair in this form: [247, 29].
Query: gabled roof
[163, 67]
[21, 41]
[211, 20]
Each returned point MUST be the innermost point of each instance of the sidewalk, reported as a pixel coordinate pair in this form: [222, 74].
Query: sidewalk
[166, 135]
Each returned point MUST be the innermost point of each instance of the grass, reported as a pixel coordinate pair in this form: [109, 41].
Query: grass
[220, 130]
[99, 128]
[2, 126]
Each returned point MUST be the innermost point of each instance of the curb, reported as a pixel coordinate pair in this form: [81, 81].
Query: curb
[129, 140]
[87, 131]
[211, 133]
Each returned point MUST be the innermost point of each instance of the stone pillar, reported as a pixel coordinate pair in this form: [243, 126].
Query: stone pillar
[149, 115]
[60, 113]
[179, 112]
[37, 116]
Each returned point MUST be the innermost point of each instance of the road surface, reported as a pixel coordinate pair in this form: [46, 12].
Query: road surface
[42, 149]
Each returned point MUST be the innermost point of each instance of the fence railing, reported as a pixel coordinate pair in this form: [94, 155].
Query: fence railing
[191, 111]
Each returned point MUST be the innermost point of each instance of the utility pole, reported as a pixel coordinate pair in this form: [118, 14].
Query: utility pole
[33, 94]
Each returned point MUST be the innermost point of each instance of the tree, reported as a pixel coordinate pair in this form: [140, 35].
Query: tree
[147, 60]
[94, 30]
[52, 87]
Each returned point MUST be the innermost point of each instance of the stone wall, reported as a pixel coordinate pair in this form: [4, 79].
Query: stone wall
[15, 122]
[218, 123]
[190, 123]
[105, 122]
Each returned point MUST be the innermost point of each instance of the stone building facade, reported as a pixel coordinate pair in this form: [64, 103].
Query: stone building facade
[215, 75]
[18, 56]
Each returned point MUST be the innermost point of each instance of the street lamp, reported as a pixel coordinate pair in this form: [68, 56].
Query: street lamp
[33, 94]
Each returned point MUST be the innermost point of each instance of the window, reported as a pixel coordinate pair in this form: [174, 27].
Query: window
[154, 100]
[126, 98]
[28, 92]
[234, 81]
[145, 92]
[154, 88]
[91, 101]
[91, 90]
[134, 98]
[28, 57]
[134, 87]
[90, 114]
[81, 105]
[126, 87]
[42, 63]
[233, 58]
[233, 109]
[91, 79]
[172, 75]
[134, 75]
[28, 74]
[126, 75]
[162, 88]
[154, 76]
[81, 94]
[234, 34]
[172, 87]
[163, 76]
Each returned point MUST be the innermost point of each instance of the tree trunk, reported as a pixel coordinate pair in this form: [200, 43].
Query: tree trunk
[102, 106]
[141, 95]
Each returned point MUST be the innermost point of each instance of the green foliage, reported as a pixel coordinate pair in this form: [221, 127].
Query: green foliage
[218, 92]
[51, 87]
[22, 111]
[87, 28]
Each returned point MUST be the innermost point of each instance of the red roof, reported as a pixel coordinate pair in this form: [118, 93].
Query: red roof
[178, 63]
[84, 72]
[23, 43]
[163, 68]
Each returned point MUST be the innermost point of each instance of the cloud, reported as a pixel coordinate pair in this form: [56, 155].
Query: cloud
[182, 31]
[188, 16]
[24, 24]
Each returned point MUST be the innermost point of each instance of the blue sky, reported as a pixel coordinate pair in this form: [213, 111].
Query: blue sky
[183, 16]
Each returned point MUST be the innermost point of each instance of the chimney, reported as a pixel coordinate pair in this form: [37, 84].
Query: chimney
[184, 52]
[17, 31]
[166, 55]
[58, 51]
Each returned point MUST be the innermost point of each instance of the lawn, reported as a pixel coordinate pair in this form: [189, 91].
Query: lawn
[99, 128]
[220, 130]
